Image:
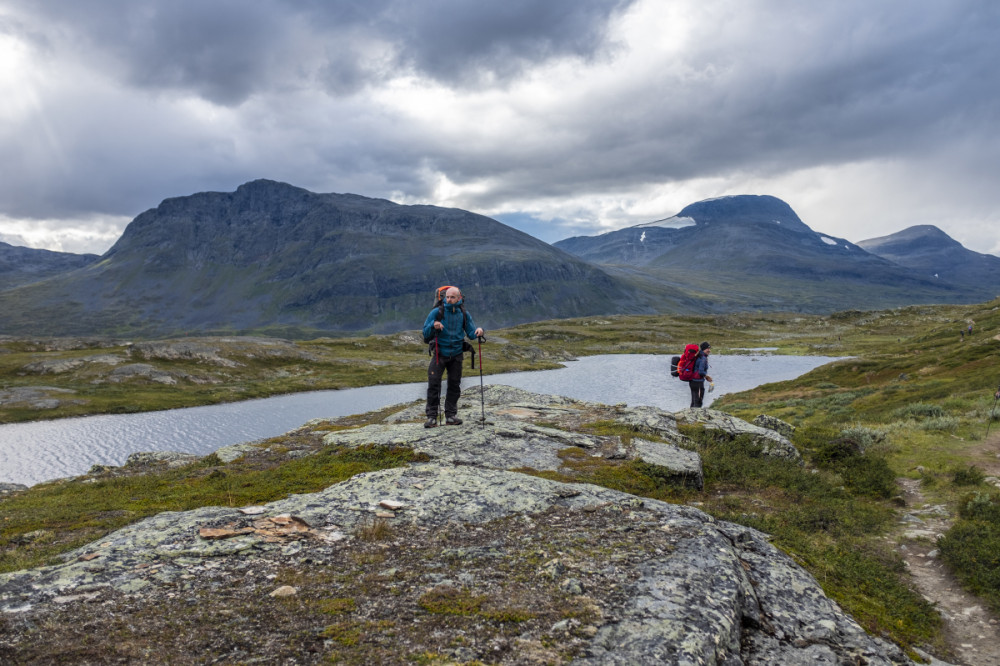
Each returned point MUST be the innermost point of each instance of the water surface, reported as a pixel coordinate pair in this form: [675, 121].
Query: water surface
[43, 450]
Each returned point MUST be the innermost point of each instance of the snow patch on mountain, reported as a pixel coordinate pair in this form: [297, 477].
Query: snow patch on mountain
[674, 222]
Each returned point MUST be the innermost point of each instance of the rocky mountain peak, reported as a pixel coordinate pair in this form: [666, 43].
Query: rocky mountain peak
[919, 238]
[744, 209]
[273, 255]
[932, 252]
[24, 265]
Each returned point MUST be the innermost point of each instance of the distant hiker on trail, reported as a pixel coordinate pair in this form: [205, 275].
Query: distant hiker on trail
[445, 330]
[970, 326]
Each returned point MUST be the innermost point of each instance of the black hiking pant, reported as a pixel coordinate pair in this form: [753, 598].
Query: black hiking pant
[697, 392]
[435, 371]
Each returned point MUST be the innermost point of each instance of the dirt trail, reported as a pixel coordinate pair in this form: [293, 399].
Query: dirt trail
[973, 631]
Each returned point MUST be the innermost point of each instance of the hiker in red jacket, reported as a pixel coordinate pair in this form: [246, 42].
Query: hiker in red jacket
[700, 375]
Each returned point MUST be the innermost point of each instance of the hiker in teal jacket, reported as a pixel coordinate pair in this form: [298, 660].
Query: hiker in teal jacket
[445, 329]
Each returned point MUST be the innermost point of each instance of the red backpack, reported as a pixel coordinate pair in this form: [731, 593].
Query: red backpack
[685, 367]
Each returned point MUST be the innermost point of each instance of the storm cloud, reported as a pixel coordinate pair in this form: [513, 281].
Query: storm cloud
[563, 117]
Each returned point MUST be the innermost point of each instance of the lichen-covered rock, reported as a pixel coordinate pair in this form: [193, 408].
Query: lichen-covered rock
[228, 454]
[775, 424]
[143, 370]
[770, 442]
[54, 366]
[506, 401]
[143, 461]
[512, 444]
[504, 445]
[679, 586]
[172, 350]
[9, 488]
[653, 421]
[711, 592]
[34, 397]
[673, 463]
[157, 458]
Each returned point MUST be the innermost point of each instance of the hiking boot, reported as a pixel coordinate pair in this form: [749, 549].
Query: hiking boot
[453, 420]
[431, 422]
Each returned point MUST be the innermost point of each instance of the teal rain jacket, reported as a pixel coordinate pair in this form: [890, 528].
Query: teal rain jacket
[450, 338]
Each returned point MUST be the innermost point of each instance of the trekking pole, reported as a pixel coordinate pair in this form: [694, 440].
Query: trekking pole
[989, 417]
[437, 363]
[482, 395]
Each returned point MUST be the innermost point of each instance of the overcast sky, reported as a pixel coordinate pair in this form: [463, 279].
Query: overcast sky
[559, 117]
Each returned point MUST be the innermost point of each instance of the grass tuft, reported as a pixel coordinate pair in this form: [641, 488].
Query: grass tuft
[451, 601]
[377, 530]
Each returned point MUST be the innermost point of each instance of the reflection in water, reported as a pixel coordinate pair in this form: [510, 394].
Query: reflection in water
[34, 452]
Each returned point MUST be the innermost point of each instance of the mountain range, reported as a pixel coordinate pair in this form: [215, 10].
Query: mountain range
[274, 258]
[753, 252]
[930, 251]
[24, 265]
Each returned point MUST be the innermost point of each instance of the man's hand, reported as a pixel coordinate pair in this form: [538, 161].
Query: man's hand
[479, 332]
[438, 325]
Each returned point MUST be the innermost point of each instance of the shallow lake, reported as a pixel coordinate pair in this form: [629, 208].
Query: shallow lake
[43, 450]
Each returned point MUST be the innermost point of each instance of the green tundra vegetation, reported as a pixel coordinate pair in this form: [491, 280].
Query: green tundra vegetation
[911, 399]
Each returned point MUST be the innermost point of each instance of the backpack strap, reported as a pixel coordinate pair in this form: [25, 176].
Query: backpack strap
[440, 314]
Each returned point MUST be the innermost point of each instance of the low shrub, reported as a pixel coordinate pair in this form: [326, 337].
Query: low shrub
[971, 548]
[940, 424]
[863, 475]
[869, 476]
[983, 506]
[837, 451]
[865, 437]
[967, 476]
[918, 410]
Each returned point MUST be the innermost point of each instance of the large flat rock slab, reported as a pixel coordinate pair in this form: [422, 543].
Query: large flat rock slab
[709, 592]
[509, 443]
[770, 442]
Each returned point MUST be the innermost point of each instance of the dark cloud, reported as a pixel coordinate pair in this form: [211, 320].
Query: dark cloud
[515, 105]
[228, 50]
[461, 41]
[782, 87]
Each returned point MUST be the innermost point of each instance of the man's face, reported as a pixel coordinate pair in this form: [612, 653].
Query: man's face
[452, 296]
